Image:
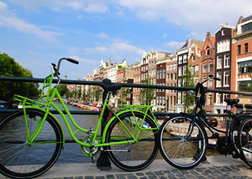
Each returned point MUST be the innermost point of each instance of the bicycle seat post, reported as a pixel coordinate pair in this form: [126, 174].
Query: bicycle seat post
[103, 162]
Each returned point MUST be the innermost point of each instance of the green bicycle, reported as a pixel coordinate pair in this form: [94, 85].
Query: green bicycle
[31, 139]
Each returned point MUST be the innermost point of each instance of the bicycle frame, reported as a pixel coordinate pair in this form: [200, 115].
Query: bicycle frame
[28, 103]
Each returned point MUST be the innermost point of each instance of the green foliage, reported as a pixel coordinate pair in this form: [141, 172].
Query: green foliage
[84, 94]
[147, 94]
[79, 93]
[62, 89]
[97, 93]
[11, 68]
[123, 94]
[188, 100]
[90, 94]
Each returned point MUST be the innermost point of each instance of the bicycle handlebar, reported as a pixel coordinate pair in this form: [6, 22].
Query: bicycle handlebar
[211, 76]
[56, 69]
[72, 61]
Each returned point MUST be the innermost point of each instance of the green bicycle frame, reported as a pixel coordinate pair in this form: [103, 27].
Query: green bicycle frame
[27, 103]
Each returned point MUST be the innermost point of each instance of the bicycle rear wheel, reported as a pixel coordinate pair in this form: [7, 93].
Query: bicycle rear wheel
[245, 141]
[178, 148]
[132, 156]
[18, 159]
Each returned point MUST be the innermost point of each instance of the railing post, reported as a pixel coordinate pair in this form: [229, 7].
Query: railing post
[103, 162]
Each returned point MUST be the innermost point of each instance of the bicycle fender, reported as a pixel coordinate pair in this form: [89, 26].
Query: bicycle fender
[53, 117]
[114, 117]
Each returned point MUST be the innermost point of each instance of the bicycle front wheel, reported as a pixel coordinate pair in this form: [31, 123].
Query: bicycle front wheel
[180, 147]
[245, 141]
[18, 159]
[132, 156]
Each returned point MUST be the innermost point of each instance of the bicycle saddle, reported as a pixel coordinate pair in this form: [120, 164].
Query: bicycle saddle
[110, 87]
[231, 101]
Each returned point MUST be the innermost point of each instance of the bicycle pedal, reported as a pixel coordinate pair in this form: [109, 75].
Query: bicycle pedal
[93, 159]
[235, 156]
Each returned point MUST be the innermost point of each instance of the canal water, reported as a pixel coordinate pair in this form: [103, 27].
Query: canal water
[72, 152]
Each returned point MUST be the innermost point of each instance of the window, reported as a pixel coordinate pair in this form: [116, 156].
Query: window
[246, 47]
[219, 62]
[226, 60]
[210, 100]
[185, 58]
[193, 58]
[168, 77]
[196, 79]
[184, 70]
[218, 98]
[158, 74]
[175, 66]
[244, 85]
[245, 67]
[161, 74]
[225, 96]
[204, 78]
[223, 32]
[247, 27]
[219, 75]
[226, 78]
[171, 67]
[180, 71]
[179, 82]
[239, 49]
[208, 52]
[164, 73]
[180, 59]
[204, 68]
[175, 77]
[210, 67]
[168, 67]
[210, 83]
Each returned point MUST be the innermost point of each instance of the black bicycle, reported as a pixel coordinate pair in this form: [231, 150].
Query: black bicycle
[184, 144]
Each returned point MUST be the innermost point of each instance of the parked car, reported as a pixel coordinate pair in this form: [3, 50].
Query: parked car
[212, 122]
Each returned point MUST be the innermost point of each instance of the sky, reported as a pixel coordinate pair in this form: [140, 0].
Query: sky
[37, 33]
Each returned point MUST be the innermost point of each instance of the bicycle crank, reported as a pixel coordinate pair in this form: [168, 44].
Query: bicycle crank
[90, 151]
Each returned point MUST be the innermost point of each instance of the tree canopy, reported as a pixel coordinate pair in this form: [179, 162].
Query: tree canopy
[9, 67]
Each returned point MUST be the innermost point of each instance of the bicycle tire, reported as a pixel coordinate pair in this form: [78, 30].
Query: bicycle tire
[245, 141]
[17, 158]
[233, 134]
[134, 156]
[178, 151]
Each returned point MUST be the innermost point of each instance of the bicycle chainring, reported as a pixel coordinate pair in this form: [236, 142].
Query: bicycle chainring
[86, 150]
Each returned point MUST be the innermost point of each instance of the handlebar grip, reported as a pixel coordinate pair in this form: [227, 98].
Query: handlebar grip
[72, 61]
[218, 79]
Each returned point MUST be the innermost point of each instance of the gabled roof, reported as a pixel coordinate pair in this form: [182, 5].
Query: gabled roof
[246, 19]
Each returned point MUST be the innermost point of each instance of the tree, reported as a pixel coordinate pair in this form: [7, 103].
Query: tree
[62, 89]
[79, 92]
[97, 93]
[89, 94]
[84, 94]
[147, 94]
[123, 94]
[9, 67]
[188, 79]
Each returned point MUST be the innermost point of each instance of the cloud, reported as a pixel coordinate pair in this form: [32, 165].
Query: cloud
[9, 20]
[164, 36]
[102, 35]
[96, 8]
[85, 61]
[173, 45]
[123, 47]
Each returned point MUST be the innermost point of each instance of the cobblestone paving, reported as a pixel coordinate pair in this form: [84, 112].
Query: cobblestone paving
[223, 172]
